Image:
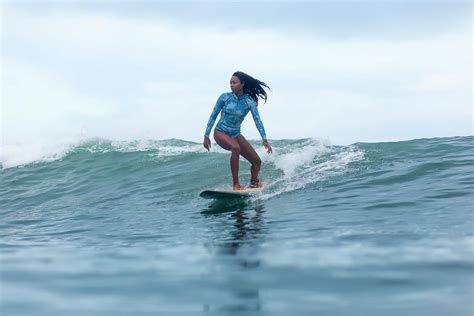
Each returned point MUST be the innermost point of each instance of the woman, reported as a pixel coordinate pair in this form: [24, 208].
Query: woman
[234, 106]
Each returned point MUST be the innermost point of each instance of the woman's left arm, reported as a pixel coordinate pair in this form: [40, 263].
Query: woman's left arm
[259, 124]
[257, 120]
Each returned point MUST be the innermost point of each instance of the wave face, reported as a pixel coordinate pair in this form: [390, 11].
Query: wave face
[115, 227]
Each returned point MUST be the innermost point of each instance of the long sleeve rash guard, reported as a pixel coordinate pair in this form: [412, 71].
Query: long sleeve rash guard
[233, 113]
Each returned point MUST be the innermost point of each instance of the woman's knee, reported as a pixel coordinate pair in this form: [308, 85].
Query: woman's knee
[257, 162]
[235, 149]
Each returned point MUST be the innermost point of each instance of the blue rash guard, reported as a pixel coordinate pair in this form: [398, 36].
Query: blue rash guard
[233, 113]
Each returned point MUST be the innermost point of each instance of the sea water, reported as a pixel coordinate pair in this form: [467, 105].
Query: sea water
[118, 228]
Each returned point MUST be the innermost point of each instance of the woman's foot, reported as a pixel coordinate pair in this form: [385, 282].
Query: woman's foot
[238, 187]
[255, 184]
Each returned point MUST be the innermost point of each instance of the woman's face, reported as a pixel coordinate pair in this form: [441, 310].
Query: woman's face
[235, 84]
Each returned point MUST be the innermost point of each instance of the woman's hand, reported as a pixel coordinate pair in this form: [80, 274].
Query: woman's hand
[207, 143]
[267, 146]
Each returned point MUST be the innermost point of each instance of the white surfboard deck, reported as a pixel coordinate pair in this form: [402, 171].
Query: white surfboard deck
[229, 193]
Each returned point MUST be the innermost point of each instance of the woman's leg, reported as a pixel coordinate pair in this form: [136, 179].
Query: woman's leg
[226, 142]
[247, 151]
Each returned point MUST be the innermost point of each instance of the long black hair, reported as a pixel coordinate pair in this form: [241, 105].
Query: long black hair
[252, 86]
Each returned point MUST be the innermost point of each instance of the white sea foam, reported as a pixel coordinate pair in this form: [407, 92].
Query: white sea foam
[289, 160]
[22, 154]
[314, 161]
[163, 148]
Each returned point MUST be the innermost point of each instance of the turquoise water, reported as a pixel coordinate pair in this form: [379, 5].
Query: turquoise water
[118, 228]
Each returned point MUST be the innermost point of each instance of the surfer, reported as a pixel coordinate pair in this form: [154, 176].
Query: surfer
[234, 106]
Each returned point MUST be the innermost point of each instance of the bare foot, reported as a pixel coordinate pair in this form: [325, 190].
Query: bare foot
[255, 184]
[238, 187]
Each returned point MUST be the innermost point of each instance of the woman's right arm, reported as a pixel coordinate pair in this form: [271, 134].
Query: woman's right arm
[212, 119]
[215, 112]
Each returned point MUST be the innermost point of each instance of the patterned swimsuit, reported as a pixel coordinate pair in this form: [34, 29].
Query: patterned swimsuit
[233, 113]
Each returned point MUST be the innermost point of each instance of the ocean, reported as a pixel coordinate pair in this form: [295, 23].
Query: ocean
[107, 227]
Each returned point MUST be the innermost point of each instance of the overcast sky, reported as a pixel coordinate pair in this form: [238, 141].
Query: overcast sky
[341, 71]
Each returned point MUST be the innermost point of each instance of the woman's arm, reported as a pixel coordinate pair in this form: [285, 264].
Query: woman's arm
[212, 119]
[259, 124]
[257, 120]
[215, 112]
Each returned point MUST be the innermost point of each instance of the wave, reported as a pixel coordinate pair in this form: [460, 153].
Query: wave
[22, 155]
[183, 167]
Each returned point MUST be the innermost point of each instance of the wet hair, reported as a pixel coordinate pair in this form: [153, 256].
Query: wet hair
[252, 86]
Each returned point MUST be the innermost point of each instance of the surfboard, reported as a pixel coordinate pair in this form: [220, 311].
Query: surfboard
[228, 194]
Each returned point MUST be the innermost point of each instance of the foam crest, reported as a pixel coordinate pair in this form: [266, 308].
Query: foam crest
[315, 161]
[16, 155]
[290, 160]
[159, 148]
[19, 155]
[171, 151]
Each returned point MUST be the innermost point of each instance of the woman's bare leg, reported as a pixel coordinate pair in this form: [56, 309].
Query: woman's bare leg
[247, 151]
[226, 142]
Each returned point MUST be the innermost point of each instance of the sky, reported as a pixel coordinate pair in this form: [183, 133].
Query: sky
[344, 72]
